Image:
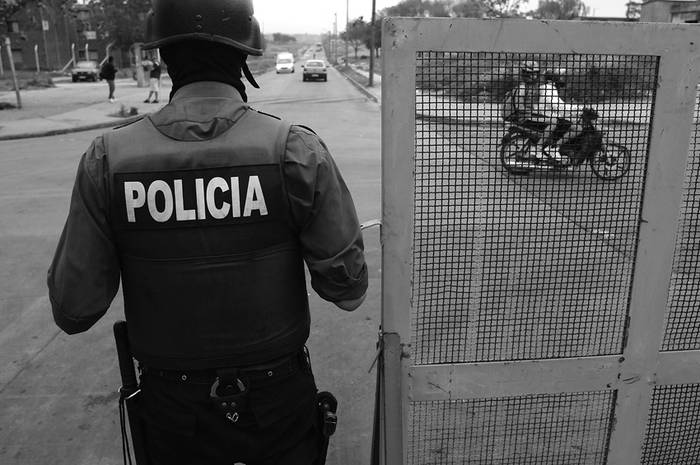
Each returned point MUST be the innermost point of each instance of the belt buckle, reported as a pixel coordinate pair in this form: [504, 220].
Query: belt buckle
[228, 404]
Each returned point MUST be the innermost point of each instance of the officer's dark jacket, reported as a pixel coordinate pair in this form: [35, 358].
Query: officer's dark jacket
[207, 211]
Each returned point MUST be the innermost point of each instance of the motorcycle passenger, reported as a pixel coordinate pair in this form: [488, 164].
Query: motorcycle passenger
[207, 211]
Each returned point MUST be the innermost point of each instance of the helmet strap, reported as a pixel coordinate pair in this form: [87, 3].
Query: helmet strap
[248, 75]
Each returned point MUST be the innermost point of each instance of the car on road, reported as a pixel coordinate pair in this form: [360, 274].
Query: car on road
[85, 70]
[285, 63]
[314, 69]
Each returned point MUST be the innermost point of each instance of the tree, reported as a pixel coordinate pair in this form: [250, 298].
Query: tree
[470, 9]
[634, 10]
[503, 8]
[377, 35]
[7, 9]
[560, 9]
[357, 33]
[435, 8]
[280, 38]
[124, 20]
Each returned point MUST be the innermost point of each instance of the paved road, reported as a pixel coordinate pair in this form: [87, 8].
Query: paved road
[545, 260]
[58, 393]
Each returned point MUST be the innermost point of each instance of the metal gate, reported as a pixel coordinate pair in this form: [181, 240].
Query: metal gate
[536, 310]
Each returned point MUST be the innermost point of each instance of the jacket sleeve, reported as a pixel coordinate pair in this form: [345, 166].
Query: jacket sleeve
[324, 214]
[84, 275]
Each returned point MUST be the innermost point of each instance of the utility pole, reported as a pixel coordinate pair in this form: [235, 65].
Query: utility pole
[372, 45]
[334, 47]
[55, 40]
[44, 26]
[347, 28]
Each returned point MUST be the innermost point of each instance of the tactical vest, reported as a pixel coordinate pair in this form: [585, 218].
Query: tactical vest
[212, 272]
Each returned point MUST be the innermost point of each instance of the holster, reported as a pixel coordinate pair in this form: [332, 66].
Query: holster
[328, 420]
[129, 400]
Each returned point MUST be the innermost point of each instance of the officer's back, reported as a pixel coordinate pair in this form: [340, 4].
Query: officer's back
[207, 211]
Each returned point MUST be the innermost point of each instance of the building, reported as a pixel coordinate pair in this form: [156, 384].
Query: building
[671, 11]
[54, 35]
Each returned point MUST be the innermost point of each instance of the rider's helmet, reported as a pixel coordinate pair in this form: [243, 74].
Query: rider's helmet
[530, 71]
[230, 22]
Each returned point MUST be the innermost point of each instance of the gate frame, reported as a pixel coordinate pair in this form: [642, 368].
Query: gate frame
[641, 365]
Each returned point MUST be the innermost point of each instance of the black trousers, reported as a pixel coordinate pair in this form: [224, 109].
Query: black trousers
[277, 423]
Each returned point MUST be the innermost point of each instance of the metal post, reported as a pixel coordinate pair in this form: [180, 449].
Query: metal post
[372, 44]
[2, 69]
[36, 57]
[72, 53]
[140, 76]
[347, 30]
[12, 68]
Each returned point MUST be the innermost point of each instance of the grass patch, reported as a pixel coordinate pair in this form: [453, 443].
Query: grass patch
[27, 80]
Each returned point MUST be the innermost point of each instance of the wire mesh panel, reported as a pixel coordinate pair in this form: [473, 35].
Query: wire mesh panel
[683, 317]
[533, 182]
[673, 430]
[564, 429]
[527, 202]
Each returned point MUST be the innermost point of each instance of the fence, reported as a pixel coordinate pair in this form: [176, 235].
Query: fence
[535, 309]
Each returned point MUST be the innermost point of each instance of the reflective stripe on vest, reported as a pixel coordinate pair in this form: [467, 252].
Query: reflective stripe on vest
[212, 271]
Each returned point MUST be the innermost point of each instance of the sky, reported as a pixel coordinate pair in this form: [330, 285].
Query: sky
[317, 16]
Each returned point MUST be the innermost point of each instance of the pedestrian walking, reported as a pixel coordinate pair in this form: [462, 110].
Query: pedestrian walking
[108, 73]
[154, 82]
[207, 210]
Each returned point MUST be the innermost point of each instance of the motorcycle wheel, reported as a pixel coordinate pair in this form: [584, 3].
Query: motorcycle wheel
[612, 162]
[514, 148]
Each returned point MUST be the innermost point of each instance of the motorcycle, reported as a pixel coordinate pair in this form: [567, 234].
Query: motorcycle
[521, 152]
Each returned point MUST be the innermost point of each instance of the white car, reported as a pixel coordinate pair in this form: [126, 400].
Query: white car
[285, 63]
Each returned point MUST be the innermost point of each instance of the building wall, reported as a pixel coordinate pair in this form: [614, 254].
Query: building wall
[54, 45]
[656, 11]
[663, 10]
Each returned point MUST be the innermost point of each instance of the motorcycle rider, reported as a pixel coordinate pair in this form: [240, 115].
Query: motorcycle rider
[537, 105]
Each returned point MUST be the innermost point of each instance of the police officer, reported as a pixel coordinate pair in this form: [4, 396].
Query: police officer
[207, 211]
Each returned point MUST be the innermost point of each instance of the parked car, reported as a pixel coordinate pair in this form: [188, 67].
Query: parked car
[85, 70]
[314, 69]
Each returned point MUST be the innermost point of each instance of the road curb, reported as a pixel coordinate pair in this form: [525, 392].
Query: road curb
[359, 87]
[56, 132]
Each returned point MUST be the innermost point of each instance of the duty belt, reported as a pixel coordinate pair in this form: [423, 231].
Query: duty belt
[230, 386]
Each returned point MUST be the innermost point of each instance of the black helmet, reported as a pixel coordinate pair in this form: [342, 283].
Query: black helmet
[229, 22]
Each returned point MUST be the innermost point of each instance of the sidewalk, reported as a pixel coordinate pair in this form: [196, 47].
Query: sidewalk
[41, 113]
[91, 110]
[374, 92]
